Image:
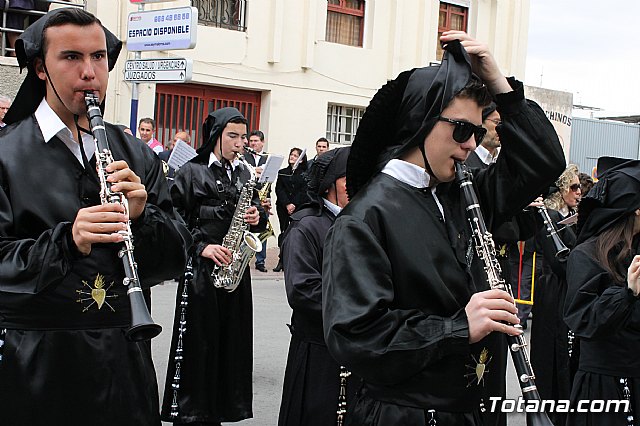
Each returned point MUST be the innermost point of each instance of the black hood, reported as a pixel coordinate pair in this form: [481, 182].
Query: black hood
[614, 196]
[212, 128]
[28, 48]
[403, 112]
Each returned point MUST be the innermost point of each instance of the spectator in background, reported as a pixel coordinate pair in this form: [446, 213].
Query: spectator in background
[291, 192]
[164, 155]
[5, 103]
[256, 142]
[586, 182]
[322, 146]
[146, 127]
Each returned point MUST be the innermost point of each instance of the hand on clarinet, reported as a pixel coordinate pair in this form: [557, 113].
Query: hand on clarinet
[98, 224]
[491, 310]
[220, 255]
[124, 180]
[633, 275]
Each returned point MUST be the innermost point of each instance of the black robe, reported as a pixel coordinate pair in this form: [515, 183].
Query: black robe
[396, 282]
[549, 333]
[65, 358]
[311, 379]
[216, 373]
[605, 315]
[291, 188]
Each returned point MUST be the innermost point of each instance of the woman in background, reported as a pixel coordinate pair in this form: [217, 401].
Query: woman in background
[291, 192]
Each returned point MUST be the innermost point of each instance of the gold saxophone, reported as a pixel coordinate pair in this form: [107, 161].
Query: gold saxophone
[263, 193]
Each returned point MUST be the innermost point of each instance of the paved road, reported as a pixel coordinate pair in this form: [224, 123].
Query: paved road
[271, 341]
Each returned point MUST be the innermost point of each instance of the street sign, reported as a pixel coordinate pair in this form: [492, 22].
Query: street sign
[165, 29]
[174, 70]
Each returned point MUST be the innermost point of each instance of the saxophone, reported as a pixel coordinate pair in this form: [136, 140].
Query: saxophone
[264, 193]
[242, 243]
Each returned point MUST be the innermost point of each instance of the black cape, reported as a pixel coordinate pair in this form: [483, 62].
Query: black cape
[396, 282]
[605, 315]
[216, 373]
[311, 380]
[66, 359]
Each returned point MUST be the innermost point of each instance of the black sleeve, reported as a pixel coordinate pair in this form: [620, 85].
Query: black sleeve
[302, 272]
[596, 306]
[379, 342]
[531, 158]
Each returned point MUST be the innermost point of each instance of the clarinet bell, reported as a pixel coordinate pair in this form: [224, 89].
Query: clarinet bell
[142, 325]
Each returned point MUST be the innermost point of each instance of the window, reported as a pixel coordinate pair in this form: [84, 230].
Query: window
[345, 22]
[229, 14]
[451, 17]
[342, 123]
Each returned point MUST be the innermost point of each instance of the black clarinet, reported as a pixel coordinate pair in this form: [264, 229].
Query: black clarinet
[562, 251]
[142, 325]
[486, 250]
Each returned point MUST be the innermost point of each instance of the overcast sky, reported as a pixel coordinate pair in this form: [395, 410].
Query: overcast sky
[590, 48]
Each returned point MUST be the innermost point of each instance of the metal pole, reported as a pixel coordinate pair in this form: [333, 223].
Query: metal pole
[133, 121]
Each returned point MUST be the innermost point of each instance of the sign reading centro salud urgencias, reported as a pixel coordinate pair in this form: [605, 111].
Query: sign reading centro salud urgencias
[166, 29]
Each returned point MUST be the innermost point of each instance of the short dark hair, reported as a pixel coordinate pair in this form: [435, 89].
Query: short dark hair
[323, 140]
[67, 15]
[476, 91]
[147, 120]
[239, 120]
[257, 133]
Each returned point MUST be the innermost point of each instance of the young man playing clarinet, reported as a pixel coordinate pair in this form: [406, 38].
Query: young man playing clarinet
[399, 306]
[63, 306]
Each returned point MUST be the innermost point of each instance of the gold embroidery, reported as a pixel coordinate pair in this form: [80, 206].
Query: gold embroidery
[477, 372]
[98, 294]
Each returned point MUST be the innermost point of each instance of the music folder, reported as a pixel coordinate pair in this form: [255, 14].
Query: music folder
[270, 168]
[182, 152]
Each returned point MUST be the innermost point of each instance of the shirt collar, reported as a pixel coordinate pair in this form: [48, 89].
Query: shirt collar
[408, 173]
[484, 155]
[49, 122]
[214, 160]
[332, 207]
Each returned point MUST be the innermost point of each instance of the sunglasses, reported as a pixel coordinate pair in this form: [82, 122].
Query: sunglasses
[575, 187]
[463, 130]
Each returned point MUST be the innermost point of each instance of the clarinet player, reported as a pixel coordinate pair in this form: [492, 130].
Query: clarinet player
[400, 309]
[213, 383]
[63, 308]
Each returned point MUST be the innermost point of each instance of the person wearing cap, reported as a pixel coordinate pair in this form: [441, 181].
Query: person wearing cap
[63, 307]
[601, 306]
[312, 381]
[554, 348]
[400, 308]
[209, 377]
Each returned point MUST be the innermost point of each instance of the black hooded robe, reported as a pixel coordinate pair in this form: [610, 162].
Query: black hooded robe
[66, 360]
[216, 371]
[312, 377]
[396, 280]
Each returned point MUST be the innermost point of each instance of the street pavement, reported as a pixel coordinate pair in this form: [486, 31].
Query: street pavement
[271, 313]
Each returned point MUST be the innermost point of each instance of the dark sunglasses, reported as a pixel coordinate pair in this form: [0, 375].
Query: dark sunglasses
[575, 187]
[463, 130]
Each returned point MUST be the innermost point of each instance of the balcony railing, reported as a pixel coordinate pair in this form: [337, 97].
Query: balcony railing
[28, 16]
[229, 14]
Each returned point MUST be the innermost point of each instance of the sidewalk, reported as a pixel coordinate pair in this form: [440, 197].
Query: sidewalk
[270, 263]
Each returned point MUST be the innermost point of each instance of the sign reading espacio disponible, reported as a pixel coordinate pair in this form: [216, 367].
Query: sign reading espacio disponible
[166, 29]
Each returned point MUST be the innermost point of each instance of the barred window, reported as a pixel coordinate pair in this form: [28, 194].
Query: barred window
[229, 14]
[345, 22]
[342, 123]
[452, 17]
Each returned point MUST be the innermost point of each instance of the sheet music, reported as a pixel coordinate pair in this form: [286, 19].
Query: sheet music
[570, 220]
[270, 168]
[182, 152]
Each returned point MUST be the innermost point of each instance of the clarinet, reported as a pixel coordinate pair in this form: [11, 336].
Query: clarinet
[562, 251]
[142, 325]
[485, 248]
